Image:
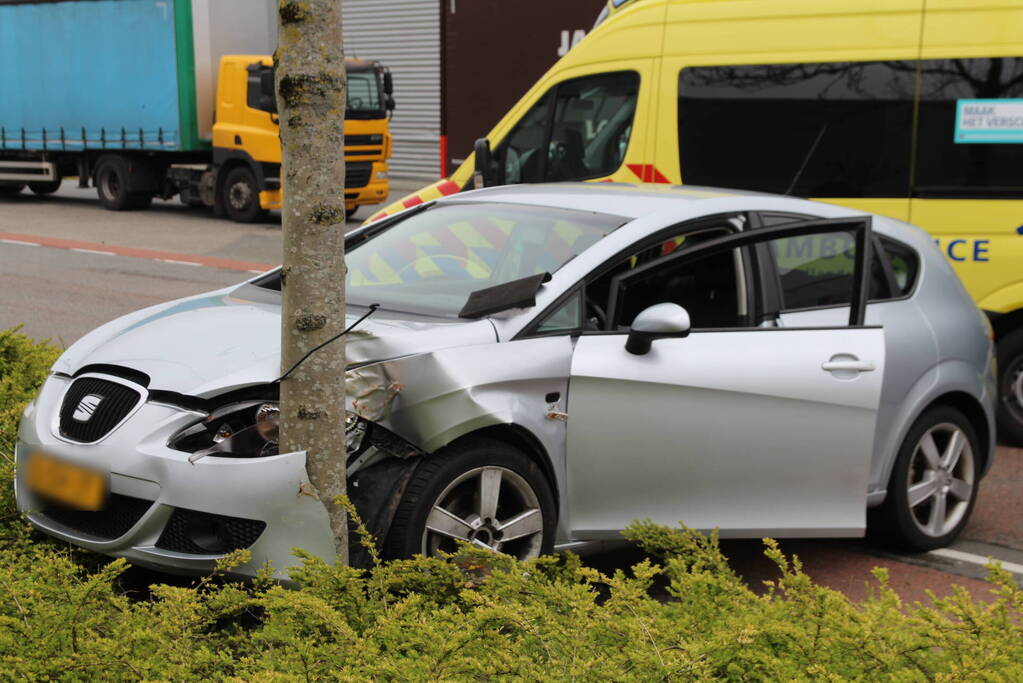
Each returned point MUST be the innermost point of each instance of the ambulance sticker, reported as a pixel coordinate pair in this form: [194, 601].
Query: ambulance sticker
[999, 121]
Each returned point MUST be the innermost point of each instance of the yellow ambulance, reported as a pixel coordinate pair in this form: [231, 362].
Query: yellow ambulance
[908, 108]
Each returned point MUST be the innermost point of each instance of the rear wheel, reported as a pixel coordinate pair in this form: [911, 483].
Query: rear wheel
[1010, 388]
[241, 196]
[112, 183]
[10, 189]
[48, 187]
[482, 492]
[934, 483]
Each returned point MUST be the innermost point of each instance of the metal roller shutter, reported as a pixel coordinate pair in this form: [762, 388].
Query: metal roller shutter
[404, 35]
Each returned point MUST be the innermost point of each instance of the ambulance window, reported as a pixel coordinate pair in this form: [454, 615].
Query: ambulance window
[585, 136]
[947, 167]
[815, 130]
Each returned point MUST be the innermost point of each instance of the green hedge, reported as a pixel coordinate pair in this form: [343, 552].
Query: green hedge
[480, 616]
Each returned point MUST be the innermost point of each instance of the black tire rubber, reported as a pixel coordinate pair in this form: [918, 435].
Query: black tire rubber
[250, 211]
[48, 187]
[891, 522]
[111, 181]
[404, 539]
[1010, 360]
[349, 213]
[11, 189]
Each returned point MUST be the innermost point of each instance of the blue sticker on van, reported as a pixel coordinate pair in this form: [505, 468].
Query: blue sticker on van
[989, 121]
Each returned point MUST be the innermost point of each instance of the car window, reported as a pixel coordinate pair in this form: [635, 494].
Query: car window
[564, 318]
[879, 287]
[431, 261]
[585, 136]
[904, 262]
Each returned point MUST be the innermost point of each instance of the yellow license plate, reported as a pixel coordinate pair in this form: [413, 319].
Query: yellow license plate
[71, 485]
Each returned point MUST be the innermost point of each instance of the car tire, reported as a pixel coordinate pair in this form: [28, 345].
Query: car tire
[931, 491]
[241, 196]
[11, 189]
[1009, 413]
[111, 178]
[48, 187]
[443, 501]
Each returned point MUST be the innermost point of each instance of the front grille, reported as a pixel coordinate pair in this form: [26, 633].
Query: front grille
[363, 140]
[114, 521]
[110, 402]
[357, 173]
[203, 533]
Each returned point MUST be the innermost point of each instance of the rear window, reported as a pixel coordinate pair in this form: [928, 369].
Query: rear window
[904, 262]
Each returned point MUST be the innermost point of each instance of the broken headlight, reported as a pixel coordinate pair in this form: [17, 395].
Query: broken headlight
[247, 430]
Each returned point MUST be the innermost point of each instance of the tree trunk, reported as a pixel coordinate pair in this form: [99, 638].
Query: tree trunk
[311, 97]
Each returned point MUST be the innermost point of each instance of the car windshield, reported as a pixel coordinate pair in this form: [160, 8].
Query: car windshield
[433, 260]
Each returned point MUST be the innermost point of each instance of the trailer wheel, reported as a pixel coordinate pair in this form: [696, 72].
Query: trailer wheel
[111, 179]
[10, 189]
[241, 196]
[48, 187]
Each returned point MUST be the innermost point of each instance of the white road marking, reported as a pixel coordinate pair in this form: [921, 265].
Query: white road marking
[24, 244]
[180, 263]
[979, 560]
[93, 251]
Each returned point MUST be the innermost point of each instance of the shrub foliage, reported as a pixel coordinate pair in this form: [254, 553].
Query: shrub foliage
[479, 616]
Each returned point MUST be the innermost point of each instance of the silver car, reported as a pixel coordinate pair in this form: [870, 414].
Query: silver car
[547, 364]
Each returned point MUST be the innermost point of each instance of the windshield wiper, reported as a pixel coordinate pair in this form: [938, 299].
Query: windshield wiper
[519, 293]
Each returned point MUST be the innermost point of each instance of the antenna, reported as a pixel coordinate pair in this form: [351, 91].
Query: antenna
[806, 159]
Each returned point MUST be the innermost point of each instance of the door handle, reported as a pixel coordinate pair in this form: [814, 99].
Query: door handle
[848, 365]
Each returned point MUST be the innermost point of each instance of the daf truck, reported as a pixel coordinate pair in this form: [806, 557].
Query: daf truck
[162, 98]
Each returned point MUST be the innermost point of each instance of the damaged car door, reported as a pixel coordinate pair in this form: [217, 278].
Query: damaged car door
[742, 425]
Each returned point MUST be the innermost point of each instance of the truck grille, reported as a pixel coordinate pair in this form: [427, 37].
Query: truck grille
[357, 173]
[114, 521]
[93, 407]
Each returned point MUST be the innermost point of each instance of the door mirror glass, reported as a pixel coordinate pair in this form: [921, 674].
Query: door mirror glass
[388, 83]
[659, 321]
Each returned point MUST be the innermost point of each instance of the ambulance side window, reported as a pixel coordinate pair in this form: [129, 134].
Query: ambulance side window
[578, 130]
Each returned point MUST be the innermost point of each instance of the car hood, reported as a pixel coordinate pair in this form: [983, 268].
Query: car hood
[228, 339]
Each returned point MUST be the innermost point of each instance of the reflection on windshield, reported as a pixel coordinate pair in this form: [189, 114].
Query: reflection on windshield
[431, 261]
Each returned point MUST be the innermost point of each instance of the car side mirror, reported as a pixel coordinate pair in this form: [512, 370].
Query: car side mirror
[660, 321]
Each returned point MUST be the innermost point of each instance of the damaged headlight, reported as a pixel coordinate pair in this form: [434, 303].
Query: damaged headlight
[248, 430]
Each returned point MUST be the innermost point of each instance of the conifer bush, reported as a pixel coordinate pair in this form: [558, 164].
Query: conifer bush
[478, 616]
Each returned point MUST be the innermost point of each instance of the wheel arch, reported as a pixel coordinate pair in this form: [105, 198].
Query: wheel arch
[1006, 323]
[972, 409]
[521, 438]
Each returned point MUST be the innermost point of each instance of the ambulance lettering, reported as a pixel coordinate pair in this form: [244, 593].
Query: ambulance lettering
[961, 250]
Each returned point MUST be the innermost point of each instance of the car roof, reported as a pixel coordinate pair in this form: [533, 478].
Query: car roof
[628, 200]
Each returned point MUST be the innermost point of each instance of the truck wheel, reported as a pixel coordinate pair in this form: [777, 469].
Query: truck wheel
[48, 187]
[350, 212]
[1010, 388]
[10, 189]
[241, 196]
[111, 179]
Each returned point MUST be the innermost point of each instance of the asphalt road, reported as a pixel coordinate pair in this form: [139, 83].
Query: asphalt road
[67, 266]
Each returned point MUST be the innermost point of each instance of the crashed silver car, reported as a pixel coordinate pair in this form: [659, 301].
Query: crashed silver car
[545, 365]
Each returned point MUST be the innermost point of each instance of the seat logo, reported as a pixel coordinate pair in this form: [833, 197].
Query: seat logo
[86, 407]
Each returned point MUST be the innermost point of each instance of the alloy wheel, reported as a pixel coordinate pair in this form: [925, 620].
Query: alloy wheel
[490, 507]
[941, 479]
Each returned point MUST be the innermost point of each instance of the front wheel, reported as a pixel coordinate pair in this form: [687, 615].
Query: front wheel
[934, 482]
[241, 196]
[1010, 388]
[482, 492]
[47, 187]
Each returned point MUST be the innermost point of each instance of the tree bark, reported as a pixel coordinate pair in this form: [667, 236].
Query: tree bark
[311, 98]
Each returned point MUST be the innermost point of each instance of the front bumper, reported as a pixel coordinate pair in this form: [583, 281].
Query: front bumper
[151, 483]
[375, 191]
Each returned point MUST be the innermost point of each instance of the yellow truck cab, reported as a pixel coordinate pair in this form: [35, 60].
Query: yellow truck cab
[247, 148]
[908, 108]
